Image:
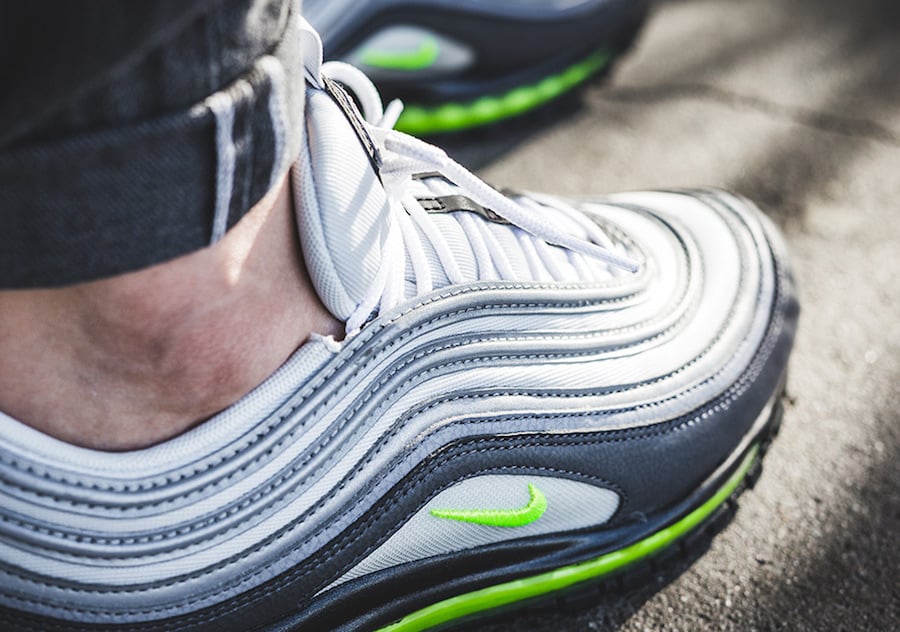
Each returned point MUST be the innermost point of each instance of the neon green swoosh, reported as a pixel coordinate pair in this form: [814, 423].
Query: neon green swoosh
[468, 604]
[420, 59]
[535, 508]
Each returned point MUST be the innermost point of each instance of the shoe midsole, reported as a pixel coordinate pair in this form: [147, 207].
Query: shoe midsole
[574, 556]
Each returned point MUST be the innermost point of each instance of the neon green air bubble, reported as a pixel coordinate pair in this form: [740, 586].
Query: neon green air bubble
[451, 117]
[529, 587]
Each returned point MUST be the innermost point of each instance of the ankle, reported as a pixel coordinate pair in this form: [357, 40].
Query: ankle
[129, 361]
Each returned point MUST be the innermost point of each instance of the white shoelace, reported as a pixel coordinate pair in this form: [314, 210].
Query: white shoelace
[403, 157]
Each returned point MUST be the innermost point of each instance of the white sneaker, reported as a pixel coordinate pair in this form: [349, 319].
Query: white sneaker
[533, 394]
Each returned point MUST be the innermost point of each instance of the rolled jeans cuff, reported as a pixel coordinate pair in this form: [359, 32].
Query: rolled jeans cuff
[122, 198]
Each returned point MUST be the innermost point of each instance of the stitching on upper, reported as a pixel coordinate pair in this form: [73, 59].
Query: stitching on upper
[170, 480]
[360, 340]
[617, 436]
[459, 343]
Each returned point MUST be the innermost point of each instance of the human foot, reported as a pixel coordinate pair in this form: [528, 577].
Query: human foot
[130, 361]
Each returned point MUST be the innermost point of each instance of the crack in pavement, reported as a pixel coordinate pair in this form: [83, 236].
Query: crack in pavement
[807, 117]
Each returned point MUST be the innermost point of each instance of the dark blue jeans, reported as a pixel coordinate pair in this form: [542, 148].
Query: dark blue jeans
[135, 132]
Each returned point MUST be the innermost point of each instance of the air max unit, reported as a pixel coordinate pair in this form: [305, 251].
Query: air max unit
[532, 394]
[466, 63]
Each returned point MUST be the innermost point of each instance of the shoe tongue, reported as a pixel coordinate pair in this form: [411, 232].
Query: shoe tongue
[342, 209]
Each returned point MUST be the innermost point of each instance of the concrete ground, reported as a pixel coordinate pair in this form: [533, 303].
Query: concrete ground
[796, 104]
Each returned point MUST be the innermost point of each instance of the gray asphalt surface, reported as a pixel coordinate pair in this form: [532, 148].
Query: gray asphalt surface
[795, 104]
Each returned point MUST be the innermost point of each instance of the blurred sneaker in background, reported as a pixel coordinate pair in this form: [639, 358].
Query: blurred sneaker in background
[467, 63]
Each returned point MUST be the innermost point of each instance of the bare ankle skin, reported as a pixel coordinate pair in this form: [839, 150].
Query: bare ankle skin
[127, 362]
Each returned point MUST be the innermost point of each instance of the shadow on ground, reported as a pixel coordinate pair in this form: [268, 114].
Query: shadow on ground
[794, 168]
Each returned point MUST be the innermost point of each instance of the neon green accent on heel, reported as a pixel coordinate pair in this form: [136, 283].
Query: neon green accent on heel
[452, 117]
[529, 587]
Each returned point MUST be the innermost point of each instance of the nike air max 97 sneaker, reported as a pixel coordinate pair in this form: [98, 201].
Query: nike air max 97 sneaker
[466, 63]
[532, 394]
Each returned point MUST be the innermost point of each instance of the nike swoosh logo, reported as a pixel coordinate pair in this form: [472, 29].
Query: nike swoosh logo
[420, 59]
[531, 512]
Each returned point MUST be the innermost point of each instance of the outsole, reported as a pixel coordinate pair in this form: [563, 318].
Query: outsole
[662, 555]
